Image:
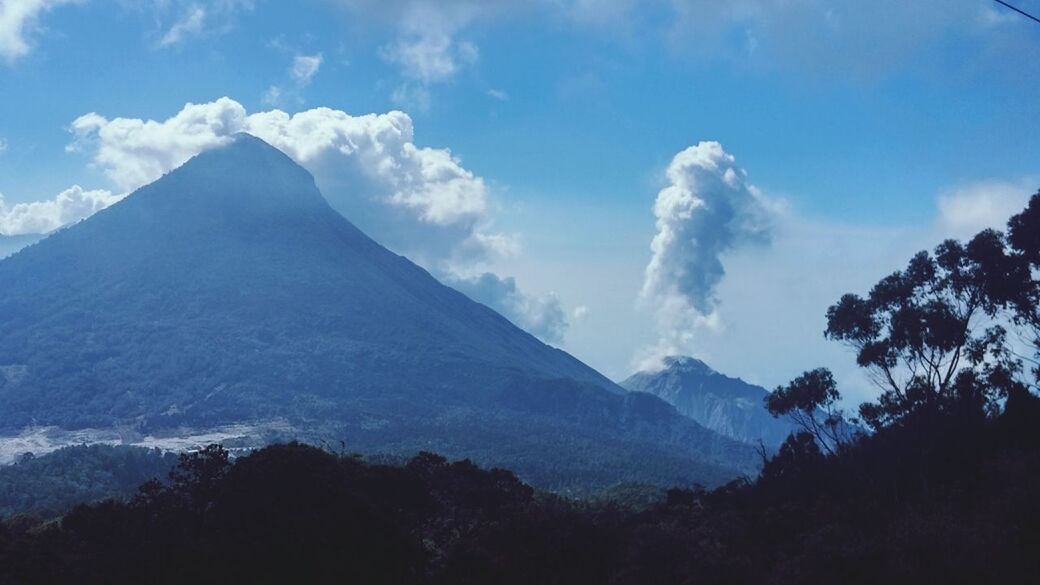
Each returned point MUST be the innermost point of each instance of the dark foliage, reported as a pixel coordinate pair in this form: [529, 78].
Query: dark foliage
[1023, 292]
[952, 503]
[50, 484]
[810, 401]
[917, 329]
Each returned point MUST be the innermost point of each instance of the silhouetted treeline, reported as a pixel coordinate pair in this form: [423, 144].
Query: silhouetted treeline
[959, 506]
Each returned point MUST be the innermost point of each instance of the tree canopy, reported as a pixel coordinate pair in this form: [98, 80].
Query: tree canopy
[941, 336]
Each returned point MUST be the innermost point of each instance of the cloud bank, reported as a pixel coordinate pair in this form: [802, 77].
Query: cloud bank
[419, 201]
[40, 217]
[707, 209]
[540, 315]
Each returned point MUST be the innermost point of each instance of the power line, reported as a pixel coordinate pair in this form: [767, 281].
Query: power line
[1018, 10]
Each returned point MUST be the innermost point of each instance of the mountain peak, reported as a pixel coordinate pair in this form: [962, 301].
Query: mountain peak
[243, 148]
[725, 405]
[245, 181]
[686, 363]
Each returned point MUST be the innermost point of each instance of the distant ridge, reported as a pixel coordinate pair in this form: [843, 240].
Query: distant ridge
[228, 291]
[726, 405]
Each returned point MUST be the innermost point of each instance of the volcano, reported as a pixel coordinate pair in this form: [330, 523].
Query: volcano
[229, 292]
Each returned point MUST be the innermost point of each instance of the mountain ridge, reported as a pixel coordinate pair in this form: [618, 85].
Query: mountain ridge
[230, 291]
[724, 404]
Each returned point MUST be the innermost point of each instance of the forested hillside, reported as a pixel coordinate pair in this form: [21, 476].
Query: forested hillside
[53, 483]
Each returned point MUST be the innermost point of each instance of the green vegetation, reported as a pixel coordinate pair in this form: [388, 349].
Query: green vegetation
[53, 483]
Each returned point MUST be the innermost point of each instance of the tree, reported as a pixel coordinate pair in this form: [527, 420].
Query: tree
[198, 474]
[918, 328]
[1024, 240]
[810, 401]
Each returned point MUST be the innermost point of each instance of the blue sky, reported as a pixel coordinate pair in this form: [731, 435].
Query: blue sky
[882, 128]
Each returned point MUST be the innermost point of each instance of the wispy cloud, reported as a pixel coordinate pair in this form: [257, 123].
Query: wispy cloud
[18, 20]
[272, 96]
[301, 71]
[427, 47]
[195, 19]
[305, 67]
[430, 56]
[190, 24]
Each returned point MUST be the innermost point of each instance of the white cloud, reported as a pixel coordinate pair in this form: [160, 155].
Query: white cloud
[133, 152]
[411, 96]
[305, 67]
[967, 209]
[196, 19]
[272, 96]
[579, 312]
[18, 19]
[498, 94]
[302, 70]
[38, 217]
[189, 25]
[707, 209]
[430, 56]
[3, 145]
[426, 48]
[419, 201]
[541, 315]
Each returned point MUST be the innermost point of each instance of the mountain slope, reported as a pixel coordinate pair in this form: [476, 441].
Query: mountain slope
[11, 244]
[230, 291]
[725, 405]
